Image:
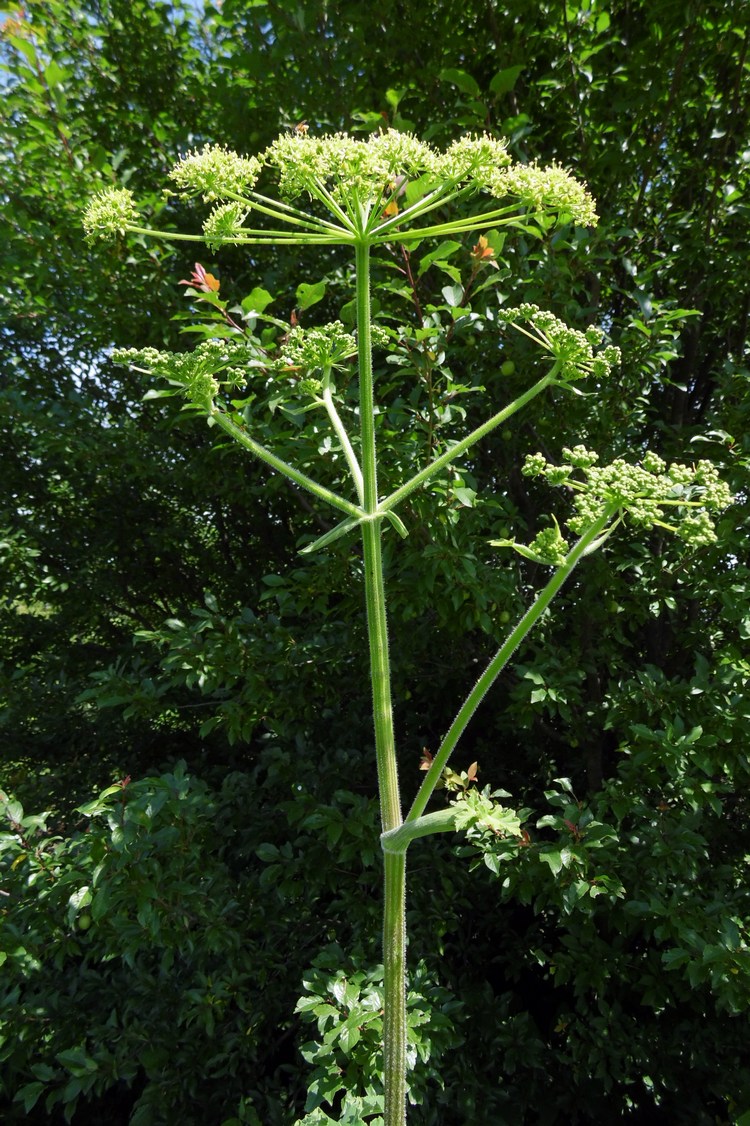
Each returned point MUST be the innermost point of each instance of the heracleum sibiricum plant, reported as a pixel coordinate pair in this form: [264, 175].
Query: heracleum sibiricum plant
[394, 189]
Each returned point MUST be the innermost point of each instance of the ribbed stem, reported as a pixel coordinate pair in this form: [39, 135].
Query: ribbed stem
[385, 750]
[394, 922]
[394, 989]
[343, 437]
[501, 658]
[377, 627]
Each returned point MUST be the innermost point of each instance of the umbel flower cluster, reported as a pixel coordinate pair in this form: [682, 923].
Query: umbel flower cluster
[199, 374]
[643, 494]
[319, 349]
[310, 353]
[572, 349]
[375, 188]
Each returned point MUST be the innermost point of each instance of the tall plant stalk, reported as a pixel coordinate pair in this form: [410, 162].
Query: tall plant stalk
[394, 843]
[394, 905]
[359, 184]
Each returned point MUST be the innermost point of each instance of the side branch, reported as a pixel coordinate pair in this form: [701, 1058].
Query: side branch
[343, 437]
[467, 442]
[243, 438]
[398, 840]
[588, 542]
[253, 238]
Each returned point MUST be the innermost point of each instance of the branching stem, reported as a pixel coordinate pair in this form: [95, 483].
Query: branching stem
[343, 437]
[466, 443]
[243, 439]
[500, 660]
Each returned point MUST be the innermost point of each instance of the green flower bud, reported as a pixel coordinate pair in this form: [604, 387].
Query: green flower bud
[551, 546]
[319, 349]
[573, 350]
[111, 211]
[580, 457]
[310, 387]
[679, 497]
[202, 388]
[534, 465]
[224, 224]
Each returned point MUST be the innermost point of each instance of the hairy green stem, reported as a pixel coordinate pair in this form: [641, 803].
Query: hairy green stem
[394, 989]
[500, 660]
[284, 211]
[467, 442]
[398, 840]
[385, 751]
[343, 437]
[259, 238]
[243, 438]
[394, 924]
[480, 222]
[438, 197]
[321, 192]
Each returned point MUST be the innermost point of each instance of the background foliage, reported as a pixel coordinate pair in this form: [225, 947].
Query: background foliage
[173, 950]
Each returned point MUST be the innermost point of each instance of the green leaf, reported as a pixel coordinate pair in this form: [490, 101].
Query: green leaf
[54, 74]
[466, 497]
[505, 80]
[349, 1037]
[522, 549]
[163, 393]
[43, 1072]
[442, 252]
[26, 48]
[29, 1095]
[552, 857]
[462, 79]
[309, 295]
[338, 989]
[99, 803]
[397, 523]
[14, 811]
[80, 898]
[77, 1062]
[257, 301]
[453, 294]
[328, 538]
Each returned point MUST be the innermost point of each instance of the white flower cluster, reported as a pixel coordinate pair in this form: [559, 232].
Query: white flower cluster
[354, 178]
[215, 173]
[550, 188]
[348, 167]
[111, 211]
[474, 158]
